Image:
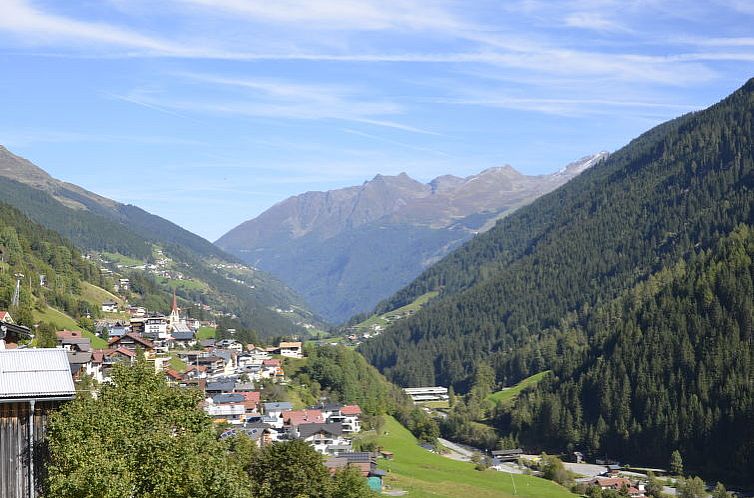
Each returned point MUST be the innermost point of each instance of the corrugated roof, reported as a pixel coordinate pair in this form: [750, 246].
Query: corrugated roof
[31, 373]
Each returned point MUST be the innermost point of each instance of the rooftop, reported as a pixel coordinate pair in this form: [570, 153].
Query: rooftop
[35, 373]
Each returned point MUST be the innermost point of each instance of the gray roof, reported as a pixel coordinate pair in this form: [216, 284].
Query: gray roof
[327, 407]
[284, 405]
[220, 384]
[359, 456]
[225, 355]
[35, 373]
[306, 430]
[79, 357]
[183, 336]
[83, 343]
[228, 398]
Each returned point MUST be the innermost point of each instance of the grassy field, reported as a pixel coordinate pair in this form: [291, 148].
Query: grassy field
[63, 321]
[183, 284]
[383, 319]
[424, 474]
[121, 259]
[205, 333]
[97, 295]
[509, 394]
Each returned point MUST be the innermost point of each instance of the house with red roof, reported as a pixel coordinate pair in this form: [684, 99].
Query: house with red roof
[132, 341]
[294, 418]
[272, 369]
[634, 490]
[351, 418]
[251, 401]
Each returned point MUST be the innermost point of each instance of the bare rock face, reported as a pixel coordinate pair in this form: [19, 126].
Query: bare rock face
[324, 244]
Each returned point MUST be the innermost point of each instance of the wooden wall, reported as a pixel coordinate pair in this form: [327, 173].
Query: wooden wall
[14, 447]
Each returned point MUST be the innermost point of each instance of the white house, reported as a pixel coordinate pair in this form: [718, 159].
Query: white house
[291, 349]
[229, 407]
[326, 439]
[109, 307]
[156, 326]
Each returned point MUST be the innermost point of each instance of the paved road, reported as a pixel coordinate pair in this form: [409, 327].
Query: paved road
[458, 452]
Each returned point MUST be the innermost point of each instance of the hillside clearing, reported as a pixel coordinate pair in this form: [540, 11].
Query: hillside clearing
[98, 295]
[509, 394]
[424, 474]
[384, 319]
[65, 322]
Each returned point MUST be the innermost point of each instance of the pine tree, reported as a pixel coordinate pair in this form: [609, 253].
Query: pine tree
[676, 463]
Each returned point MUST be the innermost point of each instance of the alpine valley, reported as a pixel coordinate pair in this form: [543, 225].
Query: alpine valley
[345, 250]
[627, 292]
[128, 241]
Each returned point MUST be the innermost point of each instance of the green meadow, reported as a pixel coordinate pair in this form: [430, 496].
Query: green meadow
[424, 474]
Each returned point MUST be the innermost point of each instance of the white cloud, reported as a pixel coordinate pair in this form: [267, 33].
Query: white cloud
[569, 106]
[279, 99]
[20, 17]
[593, 21]
[339, 14]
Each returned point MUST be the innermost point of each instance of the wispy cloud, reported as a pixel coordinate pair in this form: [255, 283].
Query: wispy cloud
[35, 25]
[569, 106]
[340, 14]
[596, 21]
[395, 142]
[281, 99]
[514, 49]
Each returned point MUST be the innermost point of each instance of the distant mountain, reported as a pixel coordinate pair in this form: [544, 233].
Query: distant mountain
[344, 250]
[95, 223]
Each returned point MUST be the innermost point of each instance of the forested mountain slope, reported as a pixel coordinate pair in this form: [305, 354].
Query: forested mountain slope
[667, 366]
[31, 250]
[675, 188]
[95, 223]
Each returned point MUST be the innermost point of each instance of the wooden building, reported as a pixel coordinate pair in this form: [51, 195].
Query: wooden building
[33, 382]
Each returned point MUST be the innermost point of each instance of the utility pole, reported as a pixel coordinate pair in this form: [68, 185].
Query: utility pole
[17, 292]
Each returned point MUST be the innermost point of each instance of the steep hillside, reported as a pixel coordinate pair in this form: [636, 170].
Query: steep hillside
[667, 366]
[51, 269]
[676, 188]
[346, 249]
[97, 224]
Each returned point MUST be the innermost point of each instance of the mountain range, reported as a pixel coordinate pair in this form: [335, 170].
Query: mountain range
[344, 250]
[98, 224]
[630, 287]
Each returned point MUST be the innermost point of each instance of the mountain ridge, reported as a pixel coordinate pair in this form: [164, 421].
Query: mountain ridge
[95, 223]
[322, 236]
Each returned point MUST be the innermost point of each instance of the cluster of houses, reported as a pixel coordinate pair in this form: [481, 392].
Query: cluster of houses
[632, 488]
[328, 428]
[231, 376]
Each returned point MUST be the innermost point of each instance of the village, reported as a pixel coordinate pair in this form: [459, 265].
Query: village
[231, 376]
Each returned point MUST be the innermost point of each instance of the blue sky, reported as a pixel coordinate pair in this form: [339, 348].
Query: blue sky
[207, 112]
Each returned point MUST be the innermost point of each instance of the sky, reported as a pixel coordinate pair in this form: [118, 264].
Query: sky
[207, 112]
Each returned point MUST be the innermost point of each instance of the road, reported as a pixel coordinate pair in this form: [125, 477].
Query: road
[457, 451]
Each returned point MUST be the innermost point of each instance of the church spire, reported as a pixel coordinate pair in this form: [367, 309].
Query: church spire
[175, 317]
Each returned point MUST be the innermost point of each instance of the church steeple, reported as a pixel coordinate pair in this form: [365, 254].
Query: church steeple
[175, 317]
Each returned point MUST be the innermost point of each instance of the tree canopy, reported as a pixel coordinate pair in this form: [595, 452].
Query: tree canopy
[139, 438]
